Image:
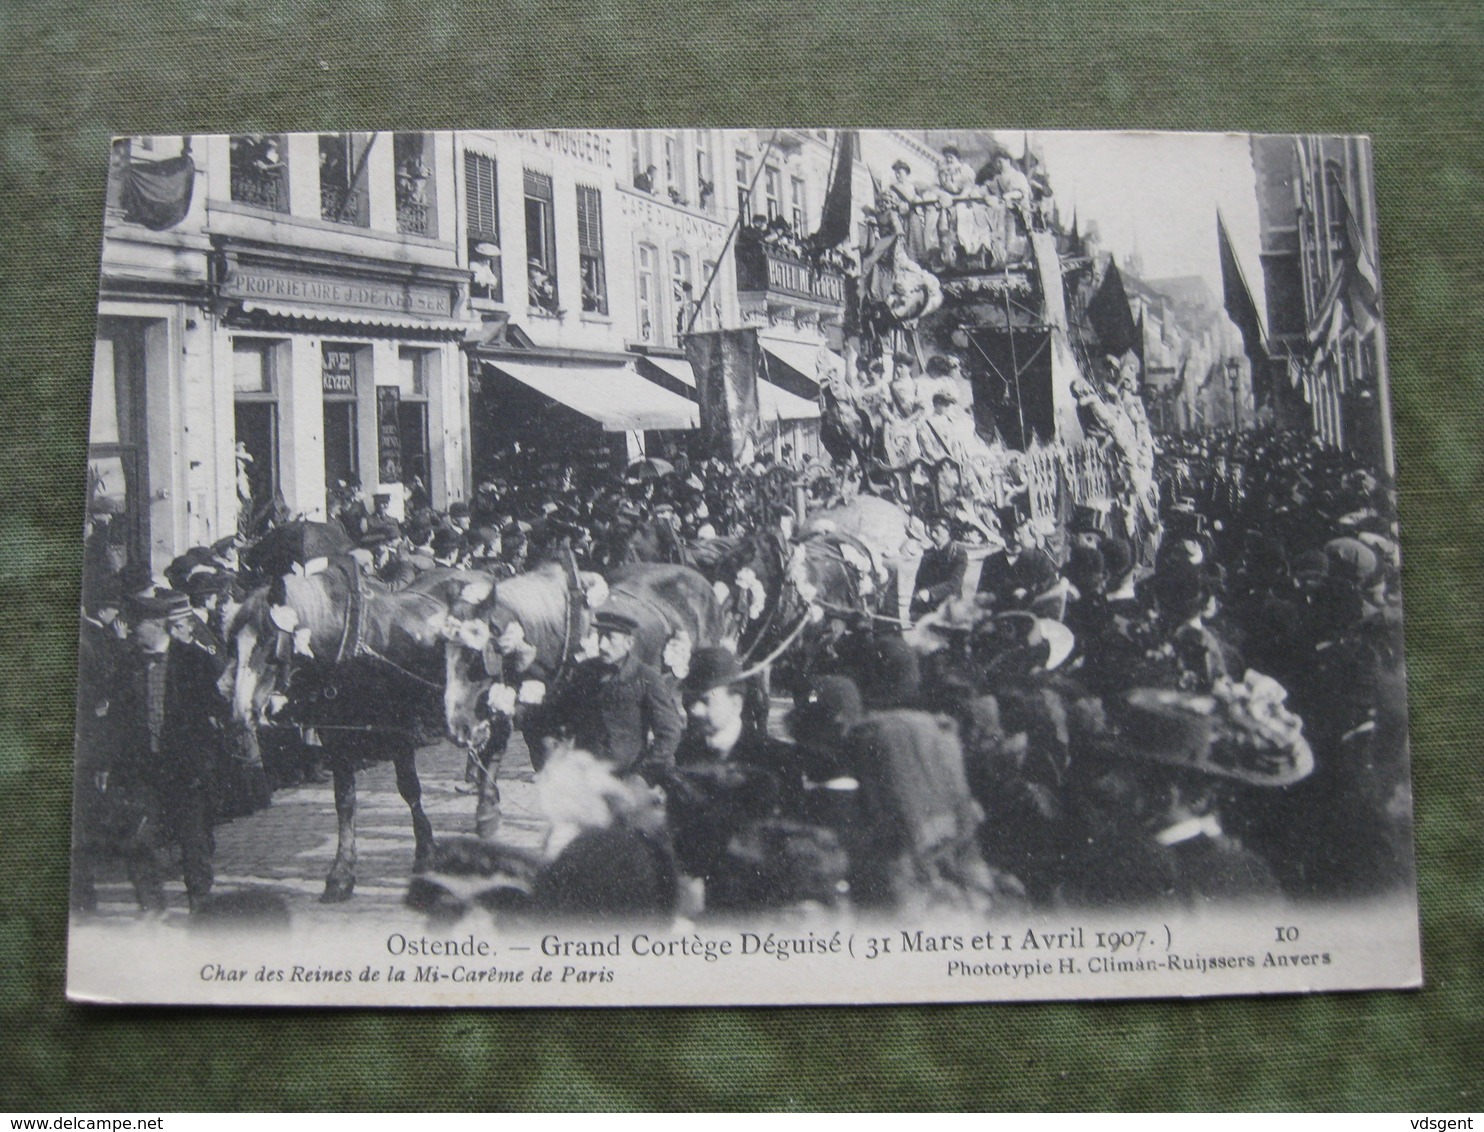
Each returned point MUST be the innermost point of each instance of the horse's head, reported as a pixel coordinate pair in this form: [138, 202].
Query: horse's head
[290, 624]
[503, 642]
[756, 589]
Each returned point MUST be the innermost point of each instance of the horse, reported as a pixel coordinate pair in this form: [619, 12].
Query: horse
[785, 600]
[359, 664]
[509, 644]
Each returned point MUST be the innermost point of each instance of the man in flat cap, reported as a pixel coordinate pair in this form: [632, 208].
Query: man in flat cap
[619, 708]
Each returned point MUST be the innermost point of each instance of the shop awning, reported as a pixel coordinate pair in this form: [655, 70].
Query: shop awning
[356, 318]
[774, 404]
[614, 396]
[678, 368]
[796, 356]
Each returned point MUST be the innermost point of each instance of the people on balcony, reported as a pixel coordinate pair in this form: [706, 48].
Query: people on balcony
[778, 237]
[412, 182]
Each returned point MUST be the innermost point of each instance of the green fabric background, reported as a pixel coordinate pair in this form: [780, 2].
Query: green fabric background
[73, 73]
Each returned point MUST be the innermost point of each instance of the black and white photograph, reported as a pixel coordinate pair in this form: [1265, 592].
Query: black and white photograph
[739, 566]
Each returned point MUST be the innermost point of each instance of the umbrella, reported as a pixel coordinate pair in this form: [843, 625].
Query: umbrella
[299, 541]
[649, 468]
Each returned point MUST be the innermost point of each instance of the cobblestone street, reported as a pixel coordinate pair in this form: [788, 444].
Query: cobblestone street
[287, 848]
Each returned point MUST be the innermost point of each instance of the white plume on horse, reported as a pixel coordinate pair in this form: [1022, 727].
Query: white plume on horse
[757, 594]
[594, 588]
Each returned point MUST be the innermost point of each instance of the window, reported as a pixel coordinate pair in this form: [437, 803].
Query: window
[796, 199]
[648, 295]
[705, 176]
[412, 423]
[674, 171]
[481, 192]
[773, 192]
[254, 384]
[260, 171]
[252, 366]
[413, 157]
[646, 175]
[590, 250]
[342, 179]
[338, 384]
[744, 186]
[684, 291]
[541, 273]
[118, 464]
[710, 318]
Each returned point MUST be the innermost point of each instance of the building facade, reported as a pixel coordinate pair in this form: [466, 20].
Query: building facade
[1317, 224]
[294, 333]
[284, 318]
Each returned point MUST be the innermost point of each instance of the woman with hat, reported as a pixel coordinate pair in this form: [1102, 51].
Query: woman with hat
[1149, 826]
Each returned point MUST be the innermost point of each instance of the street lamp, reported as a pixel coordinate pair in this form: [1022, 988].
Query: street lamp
[1233, 376]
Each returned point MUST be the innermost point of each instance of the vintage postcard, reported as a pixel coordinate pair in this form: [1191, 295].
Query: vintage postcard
[731, 566]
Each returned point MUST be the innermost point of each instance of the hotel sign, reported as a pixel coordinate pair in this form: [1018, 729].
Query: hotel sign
[797, 279]
[761, 269]
[313, 292]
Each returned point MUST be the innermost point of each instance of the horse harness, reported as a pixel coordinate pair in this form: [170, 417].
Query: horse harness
[353, 643]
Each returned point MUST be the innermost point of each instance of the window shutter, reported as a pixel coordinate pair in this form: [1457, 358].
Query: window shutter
[538, 185]
[480, 190]
[589, 220]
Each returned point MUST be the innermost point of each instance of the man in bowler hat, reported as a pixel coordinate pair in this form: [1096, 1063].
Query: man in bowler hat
[167, 728]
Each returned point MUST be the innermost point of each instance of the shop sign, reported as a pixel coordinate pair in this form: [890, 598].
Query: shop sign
[585, 145]
[280, 285]
[798, 279]
[388, 434]
[339, 373]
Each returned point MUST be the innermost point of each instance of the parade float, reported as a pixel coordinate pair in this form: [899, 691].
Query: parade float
[992, 359]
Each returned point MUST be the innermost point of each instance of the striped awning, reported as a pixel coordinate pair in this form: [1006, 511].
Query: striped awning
[678, 368]
[333, 315]
[778, 404]
[615, 397]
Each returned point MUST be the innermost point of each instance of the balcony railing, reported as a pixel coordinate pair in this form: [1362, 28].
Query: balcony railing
[768, 268]
[413, 219]
[342, 206]
[264, 190]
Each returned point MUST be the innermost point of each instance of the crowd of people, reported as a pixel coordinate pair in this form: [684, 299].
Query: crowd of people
[1078, 731]
[1084, 725]
[965, 219]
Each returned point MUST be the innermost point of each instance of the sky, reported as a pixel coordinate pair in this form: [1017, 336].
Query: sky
[1158, 193]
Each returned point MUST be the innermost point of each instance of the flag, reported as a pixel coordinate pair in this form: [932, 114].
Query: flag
[1111, 318]
[1304, 200]
[1239, 303]
[1327, 326]
[834, 218]
[1363, 282]
[157, 194]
